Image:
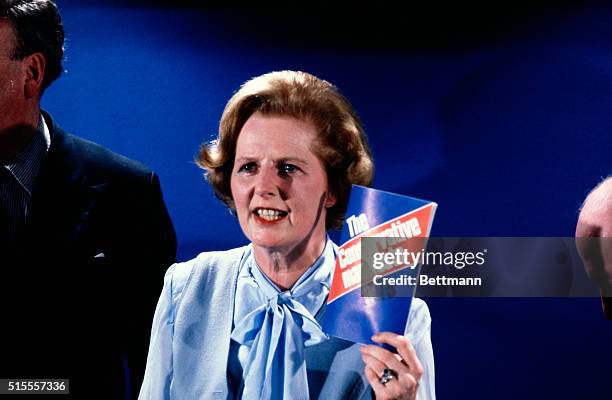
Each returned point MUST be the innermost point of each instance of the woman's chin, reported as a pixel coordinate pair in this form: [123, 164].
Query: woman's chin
[269, 242]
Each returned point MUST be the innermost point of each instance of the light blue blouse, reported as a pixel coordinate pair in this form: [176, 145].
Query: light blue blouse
[280, 324]
[204, 300]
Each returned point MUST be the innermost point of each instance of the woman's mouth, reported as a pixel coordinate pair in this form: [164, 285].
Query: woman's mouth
[269, 214]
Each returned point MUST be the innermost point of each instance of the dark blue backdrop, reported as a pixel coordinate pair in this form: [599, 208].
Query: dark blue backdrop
[501, 117]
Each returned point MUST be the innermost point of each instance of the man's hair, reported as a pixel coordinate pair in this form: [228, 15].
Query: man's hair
[341, 142]
[38, 28]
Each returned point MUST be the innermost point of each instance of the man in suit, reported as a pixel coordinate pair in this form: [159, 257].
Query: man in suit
[85, 236]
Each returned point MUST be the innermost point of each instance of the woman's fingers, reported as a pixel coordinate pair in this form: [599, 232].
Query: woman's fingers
[405, 366]
[404, 349]
[385, 358]
[374, 363]
[374, 381]
[402, 387]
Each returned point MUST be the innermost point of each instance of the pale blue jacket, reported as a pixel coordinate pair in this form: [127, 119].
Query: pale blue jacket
[190, 339]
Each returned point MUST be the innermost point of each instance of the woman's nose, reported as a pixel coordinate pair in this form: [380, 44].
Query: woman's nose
[268, 183]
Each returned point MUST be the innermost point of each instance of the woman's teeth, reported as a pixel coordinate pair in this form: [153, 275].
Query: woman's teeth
[270, 215]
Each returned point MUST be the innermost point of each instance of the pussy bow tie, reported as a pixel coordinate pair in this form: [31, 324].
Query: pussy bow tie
[277, 327]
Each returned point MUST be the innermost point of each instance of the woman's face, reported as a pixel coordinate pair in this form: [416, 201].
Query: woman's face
[279, 186]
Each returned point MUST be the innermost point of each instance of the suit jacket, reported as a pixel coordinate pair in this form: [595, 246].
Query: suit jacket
[190, 340]
[81, 283]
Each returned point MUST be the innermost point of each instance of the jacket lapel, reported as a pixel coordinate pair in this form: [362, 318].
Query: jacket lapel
[63, 197]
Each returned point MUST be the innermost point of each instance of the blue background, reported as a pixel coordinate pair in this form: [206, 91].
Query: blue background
[501, 116]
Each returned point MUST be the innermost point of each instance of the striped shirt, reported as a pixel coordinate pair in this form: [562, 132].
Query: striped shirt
[17, 182]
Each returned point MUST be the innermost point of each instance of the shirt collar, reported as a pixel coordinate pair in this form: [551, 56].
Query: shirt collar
[321, 270]
[26, 166]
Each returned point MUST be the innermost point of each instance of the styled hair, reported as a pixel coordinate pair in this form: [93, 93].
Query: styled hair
[341, 145]
[38, 28]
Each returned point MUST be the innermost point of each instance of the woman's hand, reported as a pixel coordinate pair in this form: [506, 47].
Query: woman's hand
[404, 365]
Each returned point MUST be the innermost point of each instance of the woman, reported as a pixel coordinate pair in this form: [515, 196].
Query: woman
[243, 323]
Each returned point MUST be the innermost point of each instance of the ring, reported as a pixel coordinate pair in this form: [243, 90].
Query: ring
[387, 375]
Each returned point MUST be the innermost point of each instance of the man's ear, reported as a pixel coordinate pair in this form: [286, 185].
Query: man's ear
[35, 73]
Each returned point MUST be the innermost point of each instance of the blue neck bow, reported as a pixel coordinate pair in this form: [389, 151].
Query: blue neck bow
[277, 326]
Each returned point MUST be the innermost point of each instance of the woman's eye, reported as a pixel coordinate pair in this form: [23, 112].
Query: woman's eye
[287, 168]
[248, 167]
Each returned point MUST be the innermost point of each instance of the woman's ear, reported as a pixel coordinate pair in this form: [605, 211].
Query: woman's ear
[330, 199]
